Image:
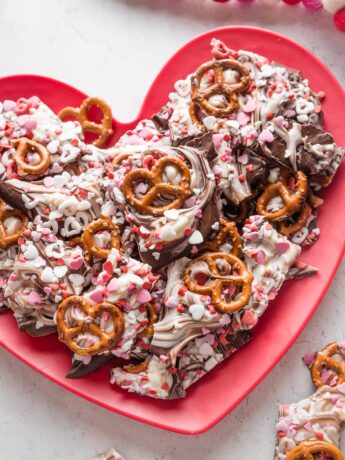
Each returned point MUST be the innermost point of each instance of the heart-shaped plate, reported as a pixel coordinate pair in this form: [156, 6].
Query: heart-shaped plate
[216, 394]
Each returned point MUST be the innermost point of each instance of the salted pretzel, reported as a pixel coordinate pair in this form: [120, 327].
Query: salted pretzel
[7, 240]
[307, 449]
[152, 317]
[88, 237]
[324, 359]
[292, 200]
[228, 230]
[301, 219]
[77, 241]
[160, 189]
[23, 147]
[72, 335]
[135, 368]
[103, 129]
[217, 282]
[200, 97]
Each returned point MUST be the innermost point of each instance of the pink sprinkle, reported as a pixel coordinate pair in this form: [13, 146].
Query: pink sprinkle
[243, 159]
[279, 121]
[260, 257]
[341, 388]
[47, 290]
[282, 246]
[171, 302]
[334, 399]
[143, 296]
[341, 345]
[252, 236]
[134, 140]
[9, 105]
[77, 263]
[250, 106]
[309, 358]
[249, 319]
[217, 170]
[243, 119]
[266, 136]
[163, 358]
[339, 404]
[141, 188]
[282, 425]
[194, 250]
[30, 124]
[48, 181]
[34, 298]
[113, 285]
[108, 267]
[309, 427]
[272, 294]
[205, 330]
[225, 319]
[217, 140]
[97, 295]
[13, 277]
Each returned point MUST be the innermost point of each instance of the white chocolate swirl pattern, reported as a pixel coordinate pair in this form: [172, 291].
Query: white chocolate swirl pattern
[321, 416]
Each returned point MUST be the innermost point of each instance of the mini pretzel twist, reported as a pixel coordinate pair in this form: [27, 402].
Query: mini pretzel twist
[88, 237]
[217, 282]
[160, 189]
[306, 450]
[103, 129]
[227, 230]
[292, 200]
[323, 359]
[152, 317]
[69, 334]
[7, 240]
[200, 97]
[135, 368]
[23, 147]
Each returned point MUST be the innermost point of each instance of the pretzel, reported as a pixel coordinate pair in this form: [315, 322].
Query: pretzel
[239, 214]
[292, 200]
[135, 368]
[323, 359]
[69, 334]
[200, 97]
[215, 287]
[7, 240]
[227, 230]
[77, 241]
[306, 450]
[88, 237]
[152, 316]
[159, 189]
[301, 219]
[23, 147]
[103, 129]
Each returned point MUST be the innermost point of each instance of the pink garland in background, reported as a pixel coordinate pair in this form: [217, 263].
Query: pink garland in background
[335, 7]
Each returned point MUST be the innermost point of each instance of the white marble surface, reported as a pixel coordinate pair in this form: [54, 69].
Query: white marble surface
[114, 48]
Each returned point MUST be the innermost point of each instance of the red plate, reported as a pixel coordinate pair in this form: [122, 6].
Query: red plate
[223, 388]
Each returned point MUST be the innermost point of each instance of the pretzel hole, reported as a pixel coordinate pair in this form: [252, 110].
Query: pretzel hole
[171, 175]
[12, 225]
[275, 204]
[32, 158]
[329, 376]
[102, 239]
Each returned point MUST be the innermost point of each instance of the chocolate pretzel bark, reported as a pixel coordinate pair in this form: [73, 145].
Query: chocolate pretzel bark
[122, 283]
[321, 417]
[171, 203]
[45, 271]
[66, 204]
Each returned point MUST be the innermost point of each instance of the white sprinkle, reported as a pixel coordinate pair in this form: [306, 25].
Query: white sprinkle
[52, 147]
[210, 122]
[76, 280]
[47, 276]
[196, 238]
[156, 255]
[197, 311]
[206, 349]
[60, 271]
[172, 214]
[30, 253]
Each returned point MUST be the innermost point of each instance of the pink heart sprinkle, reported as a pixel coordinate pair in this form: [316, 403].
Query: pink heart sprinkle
[308, 426]
[77, 263]
[309, 358]
[282, 246]
[143, 296]
[9, 105]
[243, 119]
[217, 140]
[47, 290]
[250, 106]
[249, 319]
[97, 295]
[30, 124]
[113, 285]
[266, 136]
[48, 181]
[34, 298]
[260, 257]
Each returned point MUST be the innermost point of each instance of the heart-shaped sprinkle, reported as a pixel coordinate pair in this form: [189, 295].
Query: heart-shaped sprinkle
[143, 296]
[61, 271]
[196, 238]
[97, 295]
[282, 246]
[47, 275]
[76, 280]
[266, 136]
[113, 285]
[76, 263]
[205, 349]
[197, 311]
[34, 298]
[30, 253]
[249, 319]
[172, 214]
[250, 106]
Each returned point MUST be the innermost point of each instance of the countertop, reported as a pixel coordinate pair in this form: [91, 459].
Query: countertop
[114, 49]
